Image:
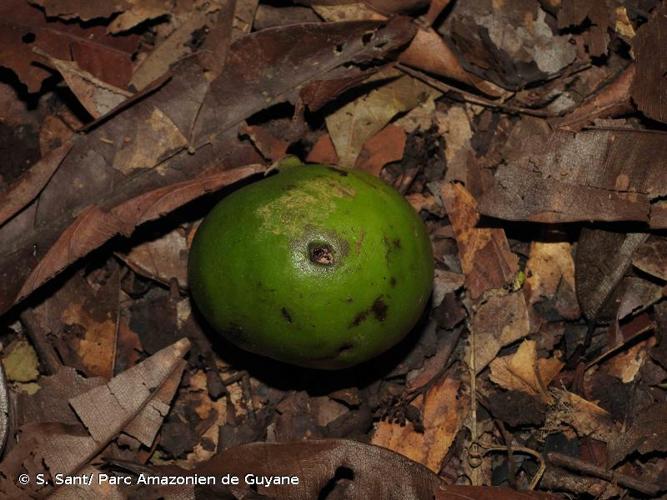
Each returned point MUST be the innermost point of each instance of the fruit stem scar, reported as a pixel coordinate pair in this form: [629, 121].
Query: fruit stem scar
[321, 254]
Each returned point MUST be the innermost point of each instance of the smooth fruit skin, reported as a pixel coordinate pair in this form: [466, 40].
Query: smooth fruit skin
[314, 266]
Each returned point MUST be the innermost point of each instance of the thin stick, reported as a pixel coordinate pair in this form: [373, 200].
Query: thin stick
[472, 98]
[574, 464]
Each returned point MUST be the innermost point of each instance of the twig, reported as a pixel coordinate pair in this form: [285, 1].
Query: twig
[574, 464]
[472, 98]
[521, 449]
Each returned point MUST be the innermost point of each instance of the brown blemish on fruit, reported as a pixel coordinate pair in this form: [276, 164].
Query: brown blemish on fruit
[359, 318]
[360, 240]
[391, 246]
[392, 282]
[344, 348]
[286, 314]
[379, 309]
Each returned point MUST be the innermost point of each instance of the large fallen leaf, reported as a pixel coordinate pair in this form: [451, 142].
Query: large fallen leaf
[114, 178]
[522, 371]
[486, 258]
[442, 411]
[105, 410]
[317, 463]
[596, 175]
[23, 27]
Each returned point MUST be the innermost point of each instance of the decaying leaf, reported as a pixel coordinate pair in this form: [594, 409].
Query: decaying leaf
[585, 417]
[25, 26]
[647, 434]
[511, 43]
[384, 147]
[317, 463]
[498, 322]
[649, 85]
[651, 257]
[96, 96]
[442, 412]
[163, 258]
[522, 371]
[597, 175]
[105, 410]
[485, 255]
[602, 259]
[354, 123]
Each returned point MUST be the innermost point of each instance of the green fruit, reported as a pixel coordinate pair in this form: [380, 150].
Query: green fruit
[314, 266]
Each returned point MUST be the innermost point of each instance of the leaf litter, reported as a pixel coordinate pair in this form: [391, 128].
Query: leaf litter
[529, 137]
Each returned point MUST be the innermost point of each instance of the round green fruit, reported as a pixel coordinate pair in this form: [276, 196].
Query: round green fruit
[314, 266]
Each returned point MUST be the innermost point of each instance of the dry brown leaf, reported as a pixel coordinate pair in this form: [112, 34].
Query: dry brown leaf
[348, 12]
[442, 416]
[498, 322]
[486, 258]
[626, 365]
[611, 99]
[429, 52]
[24, 26]
[353, 124]
[522, 371]
[323, 151]
[145, 426]
[550, 277]
[162, 259]
[96, 96]
[384, 147]
[648, 88]
[94, 226]
[585, 417]
[107, 409]
[651, 257]
[55, 448]
[26, 188]
[594, 175]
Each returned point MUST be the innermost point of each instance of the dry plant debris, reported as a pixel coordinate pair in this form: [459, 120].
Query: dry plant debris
[530, 137]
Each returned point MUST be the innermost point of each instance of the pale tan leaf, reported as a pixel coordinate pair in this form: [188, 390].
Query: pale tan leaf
[442, 413]
[522, 371]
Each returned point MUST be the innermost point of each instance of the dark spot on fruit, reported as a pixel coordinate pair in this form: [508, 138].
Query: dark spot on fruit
[339, 171]
[359, 318]
[320, 253]
[379, 309]
[286, 314]
[392, 282]
[344, 348]
[391, 246]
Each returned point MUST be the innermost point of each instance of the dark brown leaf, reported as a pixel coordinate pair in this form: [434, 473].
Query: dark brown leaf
[597, 175]
[601, 260]
[649, 86]
[23, 27]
